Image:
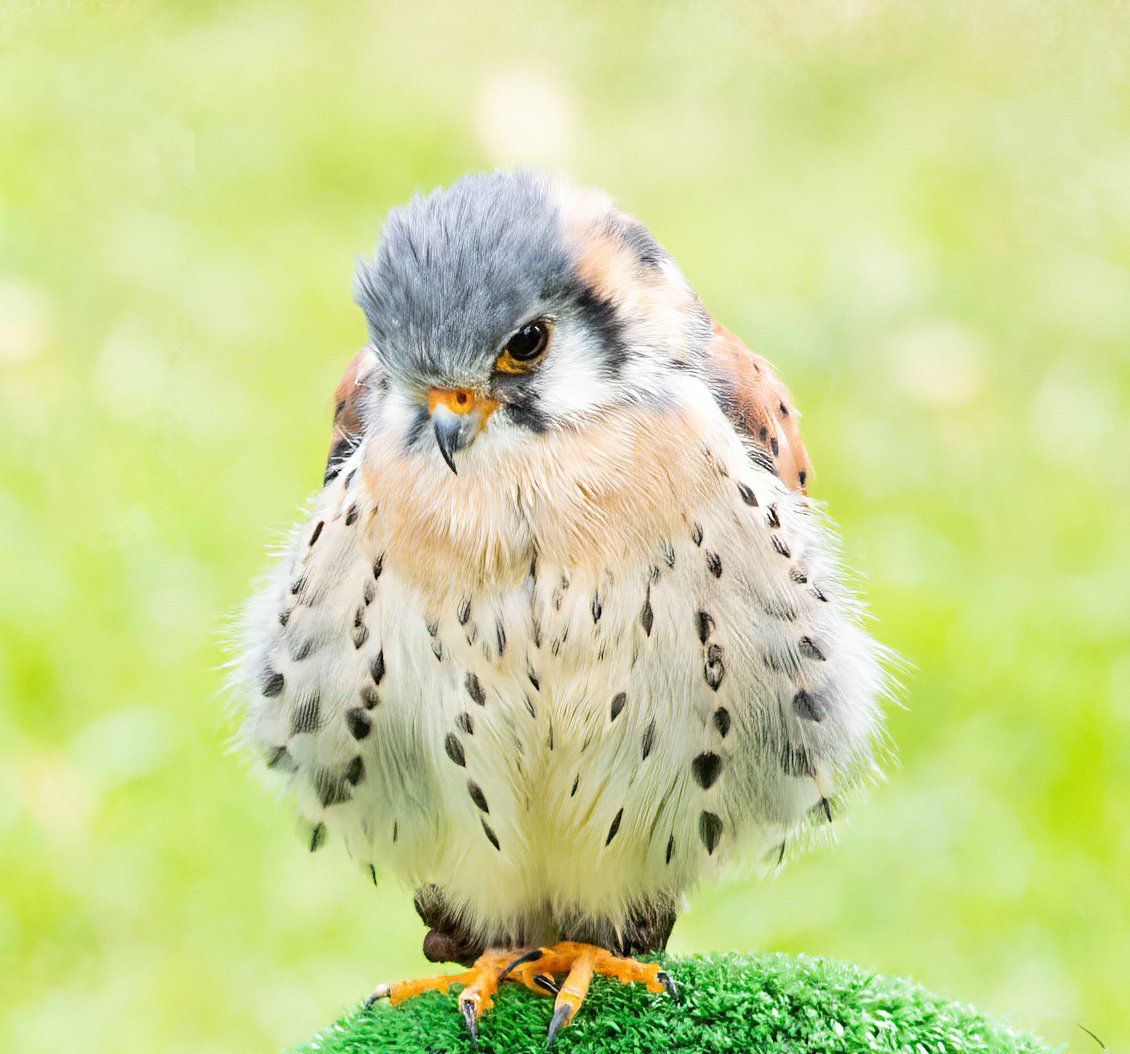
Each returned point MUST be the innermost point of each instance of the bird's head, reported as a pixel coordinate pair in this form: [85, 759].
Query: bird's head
[514, 303]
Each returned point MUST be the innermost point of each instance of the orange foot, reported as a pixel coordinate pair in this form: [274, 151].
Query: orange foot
[536, 970]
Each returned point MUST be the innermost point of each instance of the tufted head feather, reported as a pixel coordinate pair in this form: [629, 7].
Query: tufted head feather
[457, 272]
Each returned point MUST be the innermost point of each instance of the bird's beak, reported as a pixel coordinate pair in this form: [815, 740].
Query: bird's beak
[458, 415]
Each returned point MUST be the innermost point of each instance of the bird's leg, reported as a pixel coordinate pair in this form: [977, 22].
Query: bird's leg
[535, 969]
[579, 962]
[479, 982]
[573, 991]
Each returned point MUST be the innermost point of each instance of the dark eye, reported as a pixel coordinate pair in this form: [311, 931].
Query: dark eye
[526, 345]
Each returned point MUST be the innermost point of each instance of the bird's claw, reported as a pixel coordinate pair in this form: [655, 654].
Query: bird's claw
[470, 1020]
[525, 957]
[382, 991]
[561, 1015]
[538, 969]
[664, 978]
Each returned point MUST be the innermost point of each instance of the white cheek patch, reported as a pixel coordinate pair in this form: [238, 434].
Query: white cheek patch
[397, 416]
[572, 380]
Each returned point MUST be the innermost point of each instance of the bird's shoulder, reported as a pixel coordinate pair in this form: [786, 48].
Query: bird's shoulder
[349, 416]
[757, 404]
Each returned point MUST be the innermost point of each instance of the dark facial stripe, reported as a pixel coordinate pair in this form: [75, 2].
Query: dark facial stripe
[601, 318]
[527, 414]
[416, 428]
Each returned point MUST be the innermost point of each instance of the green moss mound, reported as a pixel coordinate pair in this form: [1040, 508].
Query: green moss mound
[734, 1003]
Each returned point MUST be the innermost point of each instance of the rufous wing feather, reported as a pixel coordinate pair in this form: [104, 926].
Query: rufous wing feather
[348, 420]
[758, 404]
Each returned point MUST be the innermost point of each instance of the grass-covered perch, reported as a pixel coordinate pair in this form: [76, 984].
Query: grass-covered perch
[765, 1003]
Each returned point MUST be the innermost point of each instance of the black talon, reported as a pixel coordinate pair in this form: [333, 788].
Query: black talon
[664, 979]
[561, 1017]
[525, 957]
[468, 1009]
[380, 992]
[546, 982]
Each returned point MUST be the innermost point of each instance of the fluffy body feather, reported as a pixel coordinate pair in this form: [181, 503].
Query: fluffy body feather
[613, 652]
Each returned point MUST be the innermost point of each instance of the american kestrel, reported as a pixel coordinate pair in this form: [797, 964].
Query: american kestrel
[561, 633]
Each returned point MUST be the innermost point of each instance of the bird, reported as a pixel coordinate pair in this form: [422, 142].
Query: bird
[562, 632]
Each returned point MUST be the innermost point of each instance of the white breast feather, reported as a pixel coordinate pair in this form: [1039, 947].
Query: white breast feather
[572, 744]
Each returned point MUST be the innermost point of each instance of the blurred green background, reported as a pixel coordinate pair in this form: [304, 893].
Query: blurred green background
[919, 212]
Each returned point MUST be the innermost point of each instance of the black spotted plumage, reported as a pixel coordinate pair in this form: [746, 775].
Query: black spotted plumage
[359, 722]
[454, 749]
[710, 830]
[543, 633]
